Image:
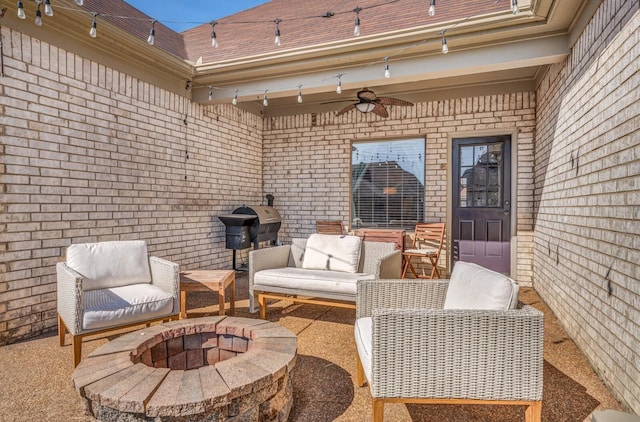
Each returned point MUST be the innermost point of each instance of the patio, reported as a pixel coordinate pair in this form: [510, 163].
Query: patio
[36, 373]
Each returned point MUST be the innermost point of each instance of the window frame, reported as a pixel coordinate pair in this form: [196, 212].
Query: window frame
[408, 219]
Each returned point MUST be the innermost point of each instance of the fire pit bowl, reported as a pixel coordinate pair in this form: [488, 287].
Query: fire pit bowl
[213, 368]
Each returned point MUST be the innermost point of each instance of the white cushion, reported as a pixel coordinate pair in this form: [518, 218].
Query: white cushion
[314, 280]
[332, 252]
[475, 287]
[363, 330]
[123, 305]
[110, 264]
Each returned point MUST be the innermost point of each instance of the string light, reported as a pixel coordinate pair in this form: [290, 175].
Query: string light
[265, 102]
[210, 93]
[38, 16]
[356, 29]
[48, 10]
[214, 39]
[21, 13]
[277, 21]
[93, 32]
[152, 34]
[445, 48]
[514, 7]
[151, 38]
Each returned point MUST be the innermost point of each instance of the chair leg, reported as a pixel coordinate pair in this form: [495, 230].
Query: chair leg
[359, 371]
[533, 413]
[77, 349]
[262, 301]
[435, 272]
[62, 329]
[404, 268]
[378, 410]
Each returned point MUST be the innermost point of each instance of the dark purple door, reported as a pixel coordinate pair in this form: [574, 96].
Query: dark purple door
[481, 229]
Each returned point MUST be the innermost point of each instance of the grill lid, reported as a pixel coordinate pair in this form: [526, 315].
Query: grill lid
[266, 214]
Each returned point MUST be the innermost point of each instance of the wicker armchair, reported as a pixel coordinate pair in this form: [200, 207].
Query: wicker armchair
[108, 285]
[412, 350]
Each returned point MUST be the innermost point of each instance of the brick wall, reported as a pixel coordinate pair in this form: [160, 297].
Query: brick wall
[92, 154]
[307, 158]
[587, 174]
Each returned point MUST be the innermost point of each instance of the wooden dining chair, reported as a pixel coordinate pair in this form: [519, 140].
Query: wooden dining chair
[329, 227]
[427, 243]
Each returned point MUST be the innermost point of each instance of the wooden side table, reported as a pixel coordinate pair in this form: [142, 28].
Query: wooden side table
[208, 280]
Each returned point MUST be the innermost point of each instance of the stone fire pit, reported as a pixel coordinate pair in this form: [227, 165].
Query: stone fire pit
[214, 368]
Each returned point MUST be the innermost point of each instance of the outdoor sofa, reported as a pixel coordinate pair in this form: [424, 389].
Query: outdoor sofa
[323, 269]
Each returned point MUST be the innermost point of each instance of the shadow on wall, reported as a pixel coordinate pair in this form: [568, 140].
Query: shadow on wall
[556, 405]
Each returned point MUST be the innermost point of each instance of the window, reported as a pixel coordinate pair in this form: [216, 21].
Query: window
[387, 184]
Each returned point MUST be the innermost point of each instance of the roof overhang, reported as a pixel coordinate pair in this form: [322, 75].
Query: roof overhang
[498, 52]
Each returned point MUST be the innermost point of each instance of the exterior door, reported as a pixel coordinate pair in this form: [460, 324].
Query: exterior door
[481, 229]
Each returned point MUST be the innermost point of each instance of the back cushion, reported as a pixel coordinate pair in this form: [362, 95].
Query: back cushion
[475, 287]
[110, 264]
[332, 252]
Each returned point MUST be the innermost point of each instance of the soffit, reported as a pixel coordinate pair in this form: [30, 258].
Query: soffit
[481, 48]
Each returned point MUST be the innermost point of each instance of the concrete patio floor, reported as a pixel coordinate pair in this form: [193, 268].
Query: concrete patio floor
[35, 375]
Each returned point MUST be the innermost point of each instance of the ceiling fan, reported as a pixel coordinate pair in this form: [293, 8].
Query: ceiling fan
[368, 102]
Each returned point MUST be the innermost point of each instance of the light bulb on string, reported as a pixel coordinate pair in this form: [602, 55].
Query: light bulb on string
[214, 39]
[93, 32]
[339, 86]
[48, 10]
[38, 20]
[356, 28]
[387, 71]
[299, 94]
[235, 98]
[152, 34]
[210, 93]
[514, 7]
[277, 41]
[265, 101]
[432, 8]
[445, 48]
[79, 2]
[21, 13]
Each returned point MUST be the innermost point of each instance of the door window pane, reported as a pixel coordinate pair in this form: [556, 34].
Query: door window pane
[387, 184]
[480, 175]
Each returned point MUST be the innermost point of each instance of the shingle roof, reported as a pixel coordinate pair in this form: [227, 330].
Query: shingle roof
[252, 31]
[138, 24]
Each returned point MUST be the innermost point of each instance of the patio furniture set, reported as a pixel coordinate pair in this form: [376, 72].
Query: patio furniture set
[463, 340]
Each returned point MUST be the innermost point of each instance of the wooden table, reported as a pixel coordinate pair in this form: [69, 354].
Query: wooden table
[208, 280]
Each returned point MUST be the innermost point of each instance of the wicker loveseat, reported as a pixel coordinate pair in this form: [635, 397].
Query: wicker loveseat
[323, 269]
[466, 340]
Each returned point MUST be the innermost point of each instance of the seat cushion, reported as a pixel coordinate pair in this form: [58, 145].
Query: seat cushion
[310, 280]
[475, 287]
[105, 265]
[104, 308]
[332, 252]
[363, 331]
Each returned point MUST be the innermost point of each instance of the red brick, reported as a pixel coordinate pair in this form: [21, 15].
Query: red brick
[195, 358]
[192, 341]
[178, 361]
[212, 355]
[175, 345]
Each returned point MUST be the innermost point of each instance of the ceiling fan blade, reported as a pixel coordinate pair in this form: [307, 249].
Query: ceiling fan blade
[344, 110]
[380, 110]
[366, 95]
[394, 101]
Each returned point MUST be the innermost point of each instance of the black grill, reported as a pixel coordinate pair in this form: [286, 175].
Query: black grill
[251, 224]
